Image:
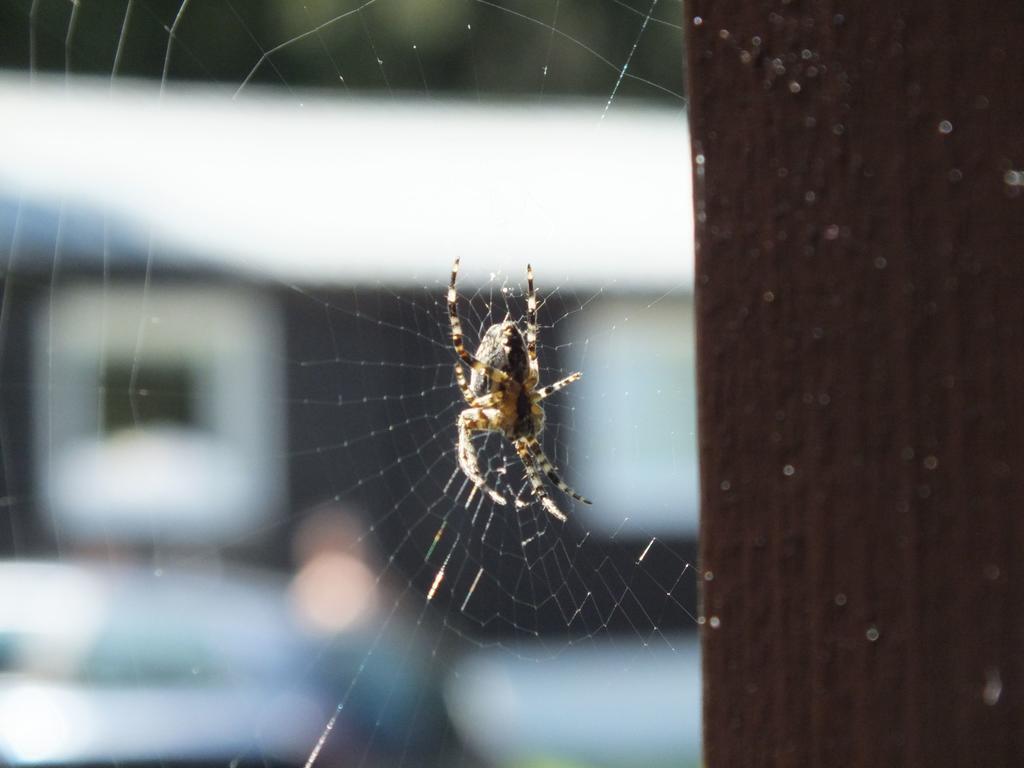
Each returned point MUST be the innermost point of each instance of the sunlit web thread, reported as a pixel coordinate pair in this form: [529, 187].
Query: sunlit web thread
[626, 6]
[472, 589]
[439, 576]
[333, 720]
[260, 48]
[551, 45]
[607, 62]
[326, 50]
[376, 54]
[33, 54]
[423, 74]
[172, 36]
[76, 7]
[622, 72]
[121, 38]
[281, 46]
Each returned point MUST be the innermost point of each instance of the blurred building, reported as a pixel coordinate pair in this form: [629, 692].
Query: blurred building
[168, 262]
[170, 266]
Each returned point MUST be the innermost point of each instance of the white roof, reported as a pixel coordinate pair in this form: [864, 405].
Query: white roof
[317, 188]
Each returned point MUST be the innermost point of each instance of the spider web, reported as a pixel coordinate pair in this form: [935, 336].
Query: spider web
[470, 599]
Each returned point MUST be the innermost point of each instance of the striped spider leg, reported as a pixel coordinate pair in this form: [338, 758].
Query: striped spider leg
[479, 418]
[531, 327]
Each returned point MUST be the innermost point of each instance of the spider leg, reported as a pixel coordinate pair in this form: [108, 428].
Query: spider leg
[469, 421]
[531, 324]
[544, 464]
[460, 379]
[535, 481]
[550, 389]
[490, 400]
[453, 315]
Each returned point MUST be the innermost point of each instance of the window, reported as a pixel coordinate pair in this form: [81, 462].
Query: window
[636, 407]
[158, 411]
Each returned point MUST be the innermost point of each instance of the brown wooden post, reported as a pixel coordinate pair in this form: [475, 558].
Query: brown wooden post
[860, 207]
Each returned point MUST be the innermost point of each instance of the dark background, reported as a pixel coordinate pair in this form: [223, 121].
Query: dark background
[461, 47]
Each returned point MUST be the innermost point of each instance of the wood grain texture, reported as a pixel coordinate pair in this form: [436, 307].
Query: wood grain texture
[860, 301]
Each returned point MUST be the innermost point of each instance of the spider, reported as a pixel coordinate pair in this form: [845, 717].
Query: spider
[504, 396]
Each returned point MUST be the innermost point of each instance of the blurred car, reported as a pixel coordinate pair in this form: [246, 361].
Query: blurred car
[123, 665]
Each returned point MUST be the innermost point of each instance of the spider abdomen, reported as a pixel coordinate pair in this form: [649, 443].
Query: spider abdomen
[503, 347]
